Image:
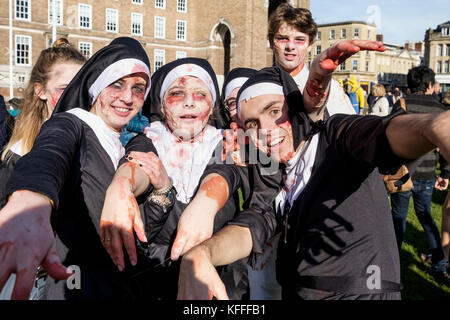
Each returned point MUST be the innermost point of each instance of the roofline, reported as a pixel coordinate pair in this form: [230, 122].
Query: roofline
[345, 23]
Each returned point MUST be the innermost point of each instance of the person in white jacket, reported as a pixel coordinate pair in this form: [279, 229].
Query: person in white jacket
[381, 104]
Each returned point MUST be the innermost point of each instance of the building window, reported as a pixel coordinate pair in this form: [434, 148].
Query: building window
[438, 67]
[367, 66]
[445, 31]
[84, 16]
[342, 66]
[23, 10]
[356, 33]
[159, 58]
[180, 54]
[21, 78]
[355, 65]
[85, 48]
[112, 20]
[319, 35]
[23, 50]
[160, 27]
[318, 49]
[447, 52]
[181, 30]
[181, 5]
[368, 34]
[136, 2]
[59, 12]
[331, 34]
[161, 4]
[343, 33]
[136, 24]
[446, 66]
[439, 50]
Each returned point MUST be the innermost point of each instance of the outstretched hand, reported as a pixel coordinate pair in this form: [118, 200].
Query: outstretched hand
[26, 241]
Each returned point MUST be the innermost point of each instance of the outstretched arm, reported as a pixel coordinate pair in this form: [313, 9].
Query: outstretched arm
[198, 277]
[413, 135]
[323, 66]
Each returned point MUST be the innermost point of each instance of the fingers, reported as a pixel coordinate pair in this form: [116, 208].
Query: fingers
[130, 247]
[139, 228]
[219, 291]
[54, 267]
[178, 245]
[24, 283]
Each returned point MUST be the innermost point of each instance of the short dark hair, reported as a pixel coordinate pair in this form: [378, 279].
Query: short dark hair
[419, 78]
[299, 18]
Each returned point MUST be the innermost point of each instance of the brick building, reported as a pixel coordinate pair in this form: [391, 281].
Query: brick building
[228, 33]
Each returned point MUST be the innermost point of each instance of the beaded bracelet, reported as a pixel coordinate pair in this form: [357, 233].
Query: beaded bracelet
[164, 191]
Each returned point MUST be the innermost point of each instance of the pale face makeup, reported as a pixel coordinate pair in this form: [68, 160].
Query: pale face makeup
[266, 117]
[187, 105]
[59, 77]
[290, 47]
[118, 103]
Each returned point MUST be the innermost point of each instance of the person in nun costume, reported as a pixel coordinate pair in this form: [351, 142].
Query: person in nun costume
[60, 185]
[166, 165]
[337, 238]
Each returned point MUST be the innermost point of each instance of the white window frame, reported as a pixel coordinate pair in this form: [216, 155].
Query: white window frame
[318, 49]
[87, 6]
[59, 11]
[332, 34]
[139, 2]
[82, 50]
[356, 33]
[438, 67]
[343, 33]
[28, 13]
[319, 35]
[141, 22]
[162, 6]
[342, 66]
[180, 55]
[185, 30]
[446, 66]
[160, 33]
[367, 66]
[21, 78]
[185, 6]
[30, 50]
[353, 65]
[447, 52]
[439, 50]
[116, 22]
[158, 53]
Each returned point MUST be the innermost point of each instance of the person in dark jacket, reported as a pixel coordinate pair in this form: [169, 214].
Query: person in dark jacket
[421, 100]
[56, 190]
[337, 238]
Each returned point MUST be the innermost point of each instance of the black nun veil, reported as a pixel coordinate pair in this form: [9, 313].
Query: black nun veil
[302, 126]
[77, 94]
[152, 110]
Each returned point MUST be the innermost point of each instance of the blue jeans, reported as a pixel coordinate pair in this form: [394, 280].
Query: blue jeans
[421, 193]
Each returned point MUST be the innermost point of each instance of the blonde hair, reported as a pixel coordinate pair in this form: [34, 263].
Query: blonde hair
[34, 110]
[378, 90]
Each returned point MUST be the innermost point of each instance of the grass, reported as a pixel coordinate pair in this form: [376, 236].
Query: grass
[418, 284]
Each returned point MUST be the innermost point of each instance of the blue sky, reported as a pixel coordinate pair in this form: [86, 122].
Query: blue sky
[397, 20]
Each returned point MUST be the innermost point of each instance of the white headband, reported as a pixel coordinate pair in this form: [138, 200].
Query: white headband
[116, 71]
[233, 84]
[189, 69]
[258, 89]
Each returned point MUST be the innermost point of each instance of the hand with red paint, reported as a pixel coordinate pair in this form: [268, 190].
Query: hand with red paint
[152, 166]
[197, 220]
[325, 64]
[121, 214]
[441, 184]
[198, 278]
[27, 241]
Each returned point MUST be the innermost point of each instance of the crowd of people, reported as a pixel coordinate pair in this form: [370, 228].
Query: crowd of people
[120, 183]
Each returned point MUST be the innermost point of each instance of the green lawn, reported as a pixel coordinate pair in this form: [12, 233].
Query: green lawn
[418, 285]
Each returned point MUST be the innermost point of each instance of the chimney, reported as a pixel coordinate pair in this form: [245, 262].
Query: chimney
[407, 48]
[418, 46]
[379, 37]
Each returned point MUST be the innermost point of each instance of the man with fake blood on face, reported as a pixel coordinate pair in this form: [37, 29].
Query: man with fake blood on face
[59, 186]
[164, 170]
[332, 208]
[292, 32]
